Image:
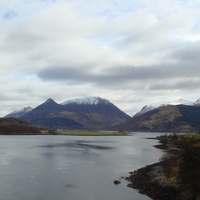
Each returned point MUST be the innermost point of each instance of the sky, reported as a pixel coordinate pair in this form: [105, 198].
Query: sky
[129, 52]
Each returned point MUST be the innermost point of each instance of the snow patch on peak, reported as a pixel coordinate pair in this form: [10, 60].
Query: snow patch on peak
[197, 102]
[145, 109]
[179, 102]
[86, 101]
[20, 112]
[23, 110]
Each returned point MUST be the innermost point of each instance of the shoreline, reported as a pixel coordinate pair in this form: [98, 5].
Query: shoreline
[146, 182]
[151, 181]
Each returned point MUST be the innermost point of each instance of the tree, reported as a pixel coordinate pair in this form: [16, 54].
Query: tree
[189, 169]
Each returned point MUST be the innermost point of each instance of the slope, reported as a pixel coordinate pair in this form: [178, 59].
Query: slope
[167, 118]
[95, 113]
[13, 126]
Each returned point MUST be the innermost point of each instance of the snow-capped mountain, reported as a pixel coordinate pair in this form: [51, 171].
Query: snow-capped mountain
[178, 102]
[87, 100]
[197, 102]
[19, 113]
[83, 113]
[145, 109]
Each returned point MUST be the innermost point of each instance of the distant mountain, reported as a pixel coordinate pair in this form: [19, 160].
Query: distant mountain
[197, 102]
[87, 101]
[178, 102]
[82, 113]
[145, 109]
[19, 113]
[167, 118]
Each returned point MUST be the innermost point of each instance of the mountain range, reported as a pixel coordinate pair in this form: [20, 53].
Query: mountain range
[147, 108]
[101, 114]
[82, 113]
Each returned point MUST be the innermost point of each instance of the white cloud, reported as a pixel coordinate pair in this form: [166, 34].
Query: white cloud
[131, 52]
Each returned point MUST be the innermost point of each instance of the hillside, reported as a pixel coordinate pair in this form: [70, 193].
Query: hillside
[167, 118]
[12, 126]
[86, 113]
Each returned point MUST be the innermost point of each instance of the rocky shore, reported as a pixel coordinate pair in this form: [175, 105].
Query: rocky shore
[175, 176]
[149, 182]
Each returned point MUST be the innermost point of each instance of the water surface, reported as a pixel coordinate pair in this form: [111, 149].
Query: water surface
[72, 167]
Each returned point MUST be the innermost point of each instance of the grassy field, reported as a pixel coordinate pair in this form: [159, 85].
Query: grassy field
[86, 133]
[195, 136]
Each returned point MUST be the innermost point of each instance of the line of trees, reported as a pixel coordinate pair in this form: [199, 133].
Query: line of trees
[18, 129]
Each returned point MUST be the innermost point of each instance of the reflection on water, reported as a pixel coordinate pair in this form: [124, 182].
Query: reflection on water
[77, 144]
[72, 167]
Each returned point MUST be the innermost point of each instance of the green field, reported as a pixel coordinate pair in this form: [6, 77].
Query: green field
[97, 133]
[86, 133]
[195, 136]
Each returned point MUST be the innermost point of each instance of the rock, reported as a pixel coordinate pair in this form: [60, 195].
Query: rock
[130, 185]
[117, 182]
[142, 181]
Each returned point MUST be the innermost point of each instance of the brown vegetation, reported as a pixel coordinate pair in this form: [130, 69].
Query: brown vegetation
[12, 126]
[177, 175]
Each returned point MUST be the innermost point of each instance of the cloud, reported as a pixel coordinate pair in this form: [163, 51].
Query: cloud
[119, 74]
[180, 84]
[124, 51]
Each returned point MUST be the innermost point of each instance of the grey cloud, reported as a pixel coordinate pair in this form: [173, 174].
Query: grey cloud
[127, 75]
[183, 84]
[22, 41]
[187, 52]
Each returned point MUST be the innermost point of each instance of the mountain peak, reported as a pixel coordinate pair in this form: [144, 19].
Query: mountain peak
[179, 102]
[49, 100]
[145, 109]
[49, 103]
[197, 102]
[20, 112]
[87, 101]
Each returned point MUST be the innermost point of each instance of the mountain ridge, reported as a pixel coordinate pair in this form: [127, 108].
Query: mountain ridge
[87, 113]
[181, 101]
[101, 114]
[19, 113]
[185, 118]
[86, 100]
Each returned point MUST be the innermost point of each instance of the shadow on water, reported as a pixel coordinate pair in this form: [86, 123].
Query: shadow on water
[77, 144]
[70, 186]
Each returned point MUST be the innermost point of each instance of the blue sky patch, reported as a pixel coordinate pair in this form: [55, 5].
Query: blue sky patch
[10, 14]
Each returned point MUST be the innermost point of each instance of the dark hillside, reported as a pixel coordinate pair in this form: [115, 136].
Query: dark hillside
[190, 114]
[58, 123]
[11, 126]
